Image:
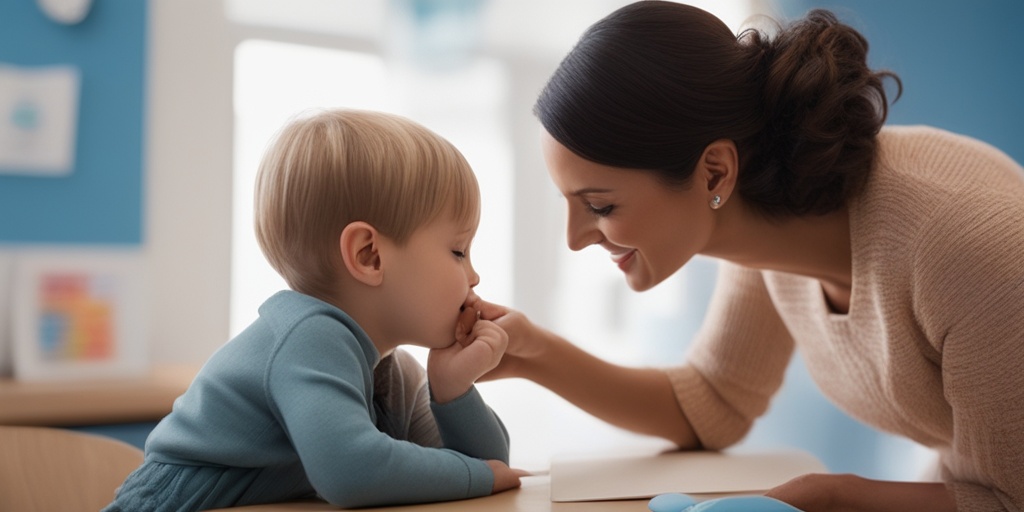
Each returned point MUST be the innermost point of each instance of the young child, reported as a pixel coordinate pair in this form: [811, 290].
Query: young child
[369, 218]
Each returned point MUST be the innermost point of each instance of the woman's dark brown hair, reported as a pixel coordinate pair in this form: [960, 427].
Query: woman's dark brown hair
[653, 83]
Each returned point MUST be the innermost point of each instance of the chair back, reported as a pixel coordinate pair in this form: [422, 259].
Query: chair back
[48, 469]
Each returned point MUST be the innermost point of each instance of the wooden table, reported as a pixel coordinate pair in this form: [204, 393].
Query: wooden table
[533, 496]
[94, 402]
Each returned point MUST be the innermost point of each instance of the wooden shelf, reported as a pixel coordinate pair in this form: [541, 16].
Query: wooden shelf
[94, 402]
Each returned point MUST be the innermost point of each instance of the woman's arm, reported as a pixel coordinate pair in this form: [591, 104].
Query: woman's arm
[851, 493]
[638, 399]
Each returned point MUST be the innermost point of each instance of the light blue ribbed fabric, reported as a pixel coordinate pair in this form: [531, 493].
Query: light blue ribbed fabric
[286, 410]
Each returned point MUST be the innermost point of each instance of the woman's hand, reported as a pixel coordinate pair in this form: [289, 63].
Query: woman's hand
[637, 399]
[526, 341]
[809, 492]
[453, 369]
[844, 492]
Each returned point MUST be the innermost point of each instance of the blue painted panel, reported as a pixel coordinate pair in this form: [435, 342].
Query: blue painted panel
[961, 63]
[102, 200]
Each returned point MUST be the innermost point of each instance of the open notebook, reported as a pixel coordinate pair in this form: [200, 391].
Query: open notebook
[698, 473]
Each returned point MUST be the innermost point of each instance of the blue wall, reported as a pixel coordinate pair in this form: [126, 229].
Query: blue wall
[101, 202]
[961, 63]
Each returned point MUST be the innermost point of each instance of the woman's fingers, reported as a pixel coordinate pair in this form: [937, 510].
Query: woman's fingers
[491, 311]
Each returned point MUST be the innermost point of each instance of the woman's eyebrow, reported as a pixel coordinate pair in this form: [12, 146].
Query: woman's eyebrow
[590, 190]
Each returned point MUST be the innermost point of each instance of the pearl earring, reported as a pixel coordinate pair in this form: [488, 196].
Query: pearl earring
[716, 202]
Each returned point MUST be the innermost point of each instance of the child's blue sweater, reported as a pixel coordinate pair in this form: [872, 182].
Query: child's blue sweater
[291, 397]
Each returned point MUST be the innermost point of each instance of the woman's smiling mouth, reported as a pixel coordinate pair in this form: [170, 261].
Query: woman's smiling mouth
[622, 259]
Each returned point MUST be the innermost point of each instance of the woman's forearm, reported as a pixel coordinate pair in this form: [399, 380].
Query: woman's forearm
[851, 493]
[882, 496]
[638, 399]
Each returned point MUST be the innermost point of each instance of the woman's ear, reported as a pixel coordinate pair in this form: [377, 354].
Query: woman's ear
[360, 251]
[718, 168]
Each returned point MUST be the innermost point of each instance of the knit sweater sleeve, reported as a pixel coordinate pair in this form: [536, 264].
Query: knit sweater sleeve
[469, 426]
[969, 299]
[466, 424]
[737, 362]
[319, 384]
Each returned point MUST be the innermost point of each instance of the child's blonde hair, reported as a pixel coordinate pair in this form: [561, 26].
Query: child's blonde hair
[334, 167]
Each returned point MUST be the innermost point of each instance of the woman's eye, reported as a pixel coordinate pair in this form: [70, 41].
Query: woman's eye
[603, 211]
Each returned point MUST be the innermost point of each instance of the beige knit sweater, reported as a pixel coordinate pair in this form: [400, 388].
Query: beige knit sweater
[933, 345]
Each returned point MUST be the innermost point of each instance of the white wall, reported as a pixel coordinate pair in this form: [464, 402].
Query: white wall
[189, 165]
[188, 179]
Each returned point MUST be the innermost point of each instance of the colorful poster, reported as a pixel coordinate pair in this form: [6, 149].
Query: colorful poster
[79, 314]
[76, 316]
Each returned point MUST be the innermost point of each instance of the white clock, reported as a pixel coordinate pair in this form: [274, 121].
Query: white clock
[67, 12]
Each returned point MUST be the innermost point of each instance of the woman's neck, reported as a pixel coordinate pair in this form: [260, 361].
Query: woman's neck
[816, 246]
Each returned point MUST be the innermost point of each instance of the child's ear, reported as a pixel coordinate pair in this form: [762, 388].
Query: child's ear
[360, 251]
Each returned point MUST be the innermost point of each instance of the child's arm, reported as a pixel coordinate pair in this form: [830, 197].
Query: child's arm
[452, 370]
[416, 417]
[469, 426]
[465, 422]
[319, 388]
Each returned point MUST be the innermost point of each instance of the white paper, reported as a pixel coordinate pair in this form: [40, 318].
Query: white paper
[38, 119]
[696, 473]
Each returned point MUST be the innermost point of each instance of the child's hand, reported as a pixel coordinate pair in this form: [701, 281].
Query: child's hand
[505, 478]
[453, 369]
[467, 318]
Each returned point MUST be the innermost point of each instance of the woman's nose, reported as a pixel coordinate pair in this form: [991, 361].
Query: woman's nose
[581, 230]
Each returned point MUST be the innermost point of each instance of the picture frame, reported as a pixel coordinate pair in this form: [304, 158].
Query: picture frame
[38, 131]
[79, 314]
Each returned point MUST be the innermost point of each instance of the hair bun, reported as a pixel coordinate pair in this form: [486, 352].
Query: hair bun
[823, 108]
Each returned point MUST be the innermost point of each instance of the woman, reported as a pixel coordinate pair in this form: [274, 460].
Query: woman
[890, 257]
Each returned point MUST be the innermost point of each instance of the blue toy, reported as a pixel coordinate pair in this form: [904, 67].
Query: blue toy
[673, 502]
[682, 503]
